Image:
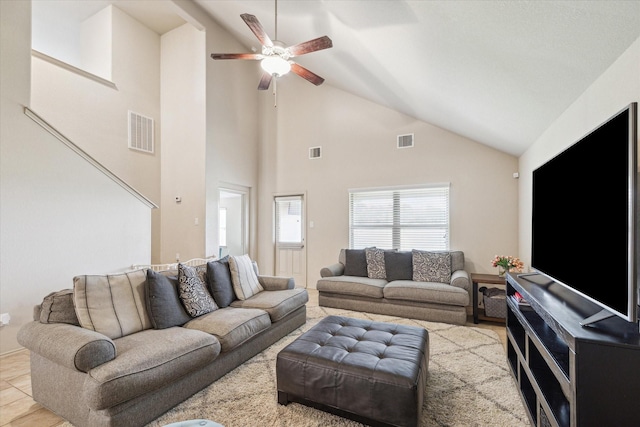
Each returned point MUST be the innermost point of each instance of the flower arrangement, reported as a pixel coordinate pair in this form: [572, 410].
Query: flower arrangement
[507, 263]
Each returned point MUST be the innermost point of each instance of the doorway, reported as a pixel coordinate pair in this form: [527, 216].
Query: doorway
[233, 221]
[290, 247]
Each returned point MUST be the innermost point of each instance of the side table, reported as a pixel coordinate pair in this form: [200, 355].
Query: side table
[492, 279]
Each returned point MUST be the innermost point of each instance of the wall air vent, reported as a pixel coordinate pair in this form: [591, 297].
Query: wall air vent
[315, 152]
[140, 132]
[405, 141]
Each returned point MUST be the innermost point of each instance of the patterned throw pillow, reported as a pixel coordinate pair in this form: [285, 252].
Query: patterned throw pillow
[431, 266]
[375, 263]
[193, 291]
[243, 276]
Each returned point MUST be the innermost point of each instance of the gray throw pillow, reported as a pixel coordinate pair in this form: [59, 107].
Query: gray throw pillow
[57, 307]
[375, 263]
[355, 263]
[220, 285]
[163, 302]
[193, 292]
[431, 266]
[398, 265]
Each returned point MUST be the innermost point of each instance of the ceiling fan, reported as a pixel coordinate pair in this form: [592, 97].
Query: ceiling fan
[276, 56]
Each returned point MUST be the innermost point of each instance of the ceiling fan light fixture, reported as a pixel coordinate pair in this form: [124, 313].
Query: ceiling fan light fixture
[275, 65]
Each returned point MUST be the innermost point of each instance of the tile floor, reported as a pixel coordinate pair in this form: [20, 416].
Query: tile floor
[17, 408]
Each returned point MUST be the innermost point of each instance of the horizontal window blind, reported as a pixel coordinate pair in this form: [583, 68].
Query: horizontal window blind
[400, 218]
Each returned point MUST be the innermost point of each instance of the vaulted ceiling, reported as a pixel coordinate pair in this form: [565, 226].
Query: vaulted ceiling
[498, 72]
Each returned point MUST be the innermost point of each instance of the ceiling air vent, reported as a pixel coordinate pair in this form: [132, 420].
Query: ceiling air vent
[140, 132]
[315, 152]
[405, 141]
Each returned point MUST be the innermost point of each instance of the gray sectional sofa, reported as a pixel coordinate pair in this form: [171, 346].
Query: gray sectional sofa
[431, 286]
[140, 351]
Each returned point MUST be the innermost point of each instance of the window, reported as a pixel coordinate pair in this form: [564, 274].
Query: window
[289, 221]
[402, 218]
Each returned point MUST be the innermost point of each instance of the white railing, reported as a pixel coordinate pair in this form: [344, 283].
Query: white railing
[173, 266]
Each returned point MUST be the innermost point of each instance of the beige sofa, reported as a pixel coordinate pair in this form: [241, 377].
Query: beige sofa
[348, 284]
[126, 365]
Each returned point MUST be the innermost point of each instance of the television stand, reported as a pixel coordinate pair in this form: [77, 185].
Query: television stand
[567, 375]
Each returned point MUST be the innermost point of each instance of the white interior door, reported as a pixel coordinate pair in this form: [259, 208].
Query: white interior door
[290, 248]
[232, 222]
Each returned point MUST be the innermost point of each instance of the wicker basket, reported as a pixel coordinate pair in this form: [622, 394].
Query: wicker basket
[495, 302]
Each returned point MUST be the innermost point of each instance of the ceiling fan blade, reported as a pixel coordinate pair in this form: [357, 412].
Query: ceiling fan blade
[320, 43]
[236, 56]
[265, 81]
[257, 29]
[306, 74]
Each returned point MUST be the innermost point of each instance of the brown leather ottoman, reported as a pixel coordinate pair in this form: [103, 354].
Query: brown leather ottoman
[372, 372]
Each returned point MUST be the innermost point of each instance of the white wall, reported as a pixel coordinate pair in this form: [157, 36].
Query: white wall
[358, 140]
[94, 116]
[618, 86]
[184, 143]
[232, 122]
[59, 216]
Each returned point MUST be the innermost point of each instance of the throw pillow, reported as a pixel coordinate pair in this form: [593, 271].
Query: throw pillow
[163, 301]
[243, 276]
[220, 285]
[57, 307]
[398, 265]
[431, 266]
[375, 263]
[193, 291]
[355, 263]
[114, 304]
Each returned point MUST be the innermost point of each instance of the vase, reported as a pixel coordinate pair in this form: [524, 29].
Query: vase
[502, 271]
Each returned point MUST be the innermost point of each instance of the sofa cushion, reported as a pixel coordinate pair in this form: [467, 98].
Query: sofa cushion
[220, 285]
[244, 277]
[457, 260]
[57, 307]
[193, 291]
[163, 301]
[277, 303]
[398, 265]
[375, 263]
[147, 361]
[113, 305]
[232, 326]
[431, 266]
[429, 292]
[355, 263]
[349, 285]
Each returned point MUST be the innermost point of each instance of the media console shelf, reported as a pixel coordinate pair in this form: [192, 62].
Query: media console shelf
[568, 375]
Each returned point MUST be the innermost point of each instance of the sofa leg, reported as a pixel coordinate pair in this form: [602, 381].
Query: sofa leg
[283, 398]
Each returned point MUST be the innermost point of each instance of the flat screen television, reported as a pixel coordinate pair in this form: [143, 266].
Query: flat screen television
[585, 218]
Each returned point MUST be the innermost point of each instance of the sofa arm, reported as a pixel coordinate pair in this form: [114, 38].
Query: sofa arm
[336, 269]
[276, 283]
[461, 279]
[68, 345]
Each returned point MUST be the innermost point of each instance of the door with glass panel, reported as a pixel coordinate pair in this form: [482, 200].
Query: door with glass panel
[290, 249]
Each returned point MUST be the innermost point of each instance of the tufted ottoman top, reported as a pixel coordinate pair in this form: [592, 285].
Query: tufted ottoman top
[375, 370]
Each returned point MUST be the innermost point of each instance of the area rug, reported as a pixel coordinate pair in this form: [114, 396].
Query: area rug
[469, 384]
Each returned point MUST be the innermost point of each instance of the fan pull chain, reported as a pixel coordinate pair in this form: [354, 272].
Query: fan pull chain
[275, 93]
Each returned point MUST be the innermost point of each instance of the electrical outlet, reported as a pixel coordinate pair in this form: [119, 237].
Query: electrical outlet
[5, 318]
[177, 257]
